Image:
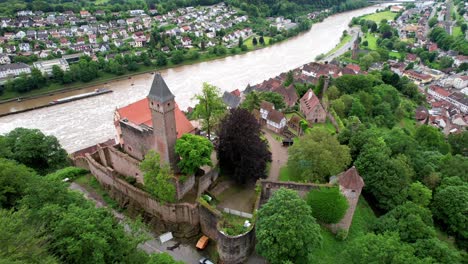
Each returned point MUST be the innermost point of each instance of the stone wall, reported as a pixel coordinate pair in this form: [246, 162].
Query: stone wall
[269, 187]
[231, 249]
[126, 194]
[205, 181]
[120, 162]
[136, 141]
[235, 249]
[183, 187]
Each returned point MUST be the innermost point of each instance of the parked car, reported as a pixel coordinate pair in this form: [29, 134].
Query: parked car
[205, 261]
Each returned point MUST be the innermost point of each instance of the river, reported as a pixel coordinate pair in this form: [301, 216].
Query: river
[89, 121]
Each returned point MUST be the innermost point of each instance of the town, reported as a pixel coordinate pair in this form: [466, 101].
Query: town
[358, 156]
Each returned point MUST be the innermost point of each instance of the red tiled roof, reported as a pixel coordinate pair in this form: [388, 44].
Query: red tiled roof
[440, 90]
[236, 92]
[139, 113]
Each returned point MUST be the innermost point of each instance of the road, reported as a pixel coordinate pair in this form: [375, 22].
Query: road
[348, 46]
[186, 253]
[279, 155]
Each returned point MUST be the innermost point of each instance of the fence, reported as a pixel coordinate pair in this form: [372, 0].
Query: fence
[238, 213]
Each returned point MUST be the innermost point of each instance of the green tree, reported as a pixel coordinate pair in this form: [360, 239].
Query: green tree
[252, 101]
[177, 57]
[328, 204]
[57, 73]
[21, 242]
[450, 206]
[386, 248]
[157, 178]
[431, 139]
[14, 180]
[459, 143]
[36, 150]
[275, 98]
[387, 179]
[411, 221]
[241, 42]
[316, 156]
[419, 194]
[242, 153]
[210, 107]
[254, 41]
[162, 258]
[432, 22]
[194, 151]
[286, 229]
[436, 250]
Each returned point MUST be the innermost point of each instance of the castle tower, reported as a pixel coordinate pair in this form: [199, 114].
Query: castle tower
[162, 105]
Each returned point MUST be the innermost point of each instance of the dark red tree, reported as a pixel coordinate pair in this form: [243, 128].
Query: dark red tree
[242, 153]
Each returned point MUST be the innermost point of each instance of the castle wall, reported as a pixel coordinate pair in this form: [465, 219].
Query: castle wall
[137, 142]
[126, 194]
[121, 162]
[270, 187]
[353, 199]
[235, 249]
[209, 218]
[205, 181]
[184, 187]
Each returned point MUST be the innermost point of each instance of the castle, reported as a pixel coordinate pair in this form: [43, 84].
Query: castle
[154, 122]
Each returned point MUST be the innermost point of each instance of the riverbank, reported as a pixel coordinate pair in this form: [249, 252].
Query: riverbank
[87, 122]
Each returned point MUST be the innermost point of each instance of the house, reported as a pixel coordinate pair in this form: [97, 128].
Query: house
[460, 82]
[396, 8]
[4, 59]
[25, 47]
[84, 13]
[232, 100]
[416, 77]
[13, 70]
[411, 57]
[289, 94]
[276, 121]
[312, 109]
[265, 109]
[460, 59]
[186, 42]
[46, 66]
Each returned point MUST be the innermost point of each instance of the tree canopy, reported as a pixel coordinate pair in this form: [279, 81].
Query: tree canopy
[194, 151]
[210, 107]
[242, 153]
[316, 156]
[158, 179]
[328, 204]
[286, 229]
[34, 149]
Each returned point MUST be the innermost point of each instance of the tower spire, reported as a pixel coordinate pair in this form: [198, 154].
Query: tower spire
[159, 90]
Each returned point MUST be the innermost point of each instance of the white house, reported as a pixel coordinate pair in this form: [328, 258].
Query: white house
[460, 82]
[276, 121]
[46, 66]
[4, 59]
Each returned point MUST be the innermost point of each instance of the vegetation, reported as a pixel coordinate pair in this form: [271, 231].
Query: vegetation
[445, 41]
[42, 220]
[317, 156]
[158, 179]
[378, 17]
[34, 149]
[210, 107]
[194, 151]
[328, 204]
[286, 230]
[242, 153]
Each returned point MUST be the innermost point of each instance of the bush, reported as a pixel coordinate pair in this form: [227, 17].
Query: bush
[328, 204]
[69, 172]
[341, 234]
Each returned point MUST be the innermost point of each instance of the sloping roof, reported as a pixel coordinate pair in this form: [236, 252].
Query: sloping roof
[139, 113]
[309, 101]
[231, 100]
[267, 106]
[275, 116]
[351, 179]
[159, 90]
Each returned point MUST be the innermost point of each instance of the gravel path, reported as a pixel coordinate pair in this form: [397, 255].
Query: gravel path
[279, 155]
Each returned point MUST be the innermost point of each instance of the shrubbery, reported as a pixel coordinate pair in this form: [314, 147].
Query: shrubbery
[328, 204]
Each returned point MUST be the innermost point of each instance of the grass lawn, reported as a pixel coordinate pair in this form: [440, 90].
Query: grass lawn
[284, 174]
[394, 54]
[92, 185]
[371, 40]
[457, 31]
[408, 123]
[377, 17]
[343, 41]
[328, 125]
[332, 248]
[249, 44]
